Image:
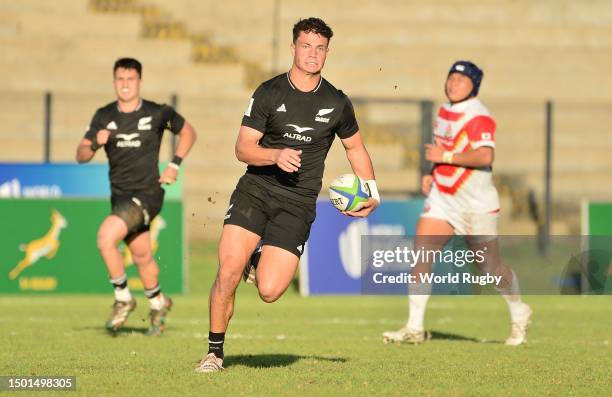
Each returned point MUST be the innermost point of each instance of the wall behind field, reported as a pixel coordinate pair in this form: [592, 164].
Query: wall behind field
[211, 54]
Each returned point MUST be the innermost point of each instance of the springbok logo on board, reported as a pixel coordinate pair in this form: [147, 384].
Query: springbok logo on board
[45, 246]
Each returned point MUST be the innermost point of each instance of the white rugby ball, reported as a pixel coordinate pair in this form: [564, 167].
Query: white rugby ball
[348, 193]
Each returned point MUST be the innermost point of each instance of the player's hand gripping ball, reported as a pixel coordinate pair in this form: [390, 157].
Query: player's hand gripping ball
[348, 193]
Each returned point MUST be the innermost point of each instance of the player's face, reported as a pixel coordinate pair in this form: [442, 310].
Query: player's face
[458, 87]
[309, 52]
[127, 84]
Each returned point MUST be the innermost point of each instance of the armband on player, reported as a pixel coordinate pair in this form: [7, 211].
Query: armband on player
[94, 145]
[373, 189]
[447, 157]
[176, 162]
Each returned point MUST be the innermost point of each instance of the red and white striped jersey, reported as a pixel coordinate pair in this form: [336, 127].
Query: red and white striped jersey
[460, 128]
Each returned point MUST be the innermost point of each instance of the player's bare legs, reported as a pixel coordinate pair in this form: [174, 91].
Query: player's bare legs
[112, 230]
[431, 234]
[235, 248]
[275, 272]
[492, 263]
[140, 247]
[520, 313]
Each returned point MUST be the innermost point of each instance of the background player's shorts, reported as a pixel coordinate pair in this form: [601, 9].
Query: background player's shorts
[137, 209]
[280, 221]
[481, 225]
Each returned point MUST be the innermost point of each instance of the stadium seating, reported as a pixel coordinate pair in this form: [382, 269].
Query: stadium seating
[211, 54]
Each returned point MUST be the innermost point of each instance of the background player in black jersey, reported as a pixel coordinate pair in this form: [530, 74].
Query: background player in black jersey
[130, 130]
[286, 132]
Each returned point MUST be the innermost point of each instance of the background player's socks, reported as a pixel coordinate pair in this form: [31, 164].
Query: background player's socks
[249, 273]
[215, 343]
[254, 261]
[122, 292]
[417, 303]
[512, 296]
[156, 299]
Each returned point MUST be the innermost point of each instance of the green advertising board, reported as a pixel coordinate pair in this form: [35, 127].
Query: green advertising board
[49, 245]
[597, 225]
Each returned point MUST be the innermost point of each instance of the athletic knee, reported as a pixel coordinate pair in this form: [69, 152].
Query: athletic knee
[269, 293]
[269, 298]
[105, 241]
[228, 279]
[142, 258]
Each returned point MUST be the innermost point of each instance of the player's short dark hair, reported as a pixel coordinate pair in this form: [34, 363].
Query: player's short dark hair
[314, 25]
[128, 63]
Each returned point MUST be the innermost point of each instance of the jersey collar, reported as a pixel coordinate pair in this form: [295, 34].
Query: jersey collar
[293, 86]
[135, 110]
[460, 107]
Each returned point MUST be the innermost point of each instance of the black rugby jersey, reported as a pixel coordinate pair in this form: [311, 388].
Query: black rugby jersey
[290, 118]
[133, 145]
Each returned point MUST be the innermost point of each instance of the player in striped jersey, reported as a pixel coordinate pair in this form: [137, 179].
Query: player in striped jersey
[461, 199]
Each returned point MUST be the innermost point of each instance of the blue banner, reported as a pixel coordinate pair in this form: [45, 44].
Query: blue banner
[24, 180]
[332, 261]
[62, 180]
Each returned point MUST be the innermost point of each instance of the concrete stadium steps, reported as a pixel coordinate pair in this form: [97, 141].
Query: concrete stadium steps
[206, 191]
[227, 23]
[580, 140]
[384, 157]
[71, 77]
[554, 25]
[405, 180]
[571, 186]
[45, 25]
[393, 118]
[22, 115]
[16, 149]
[214, 123]
[56, 7]
[31, 148]
[556, 49]
[217, 120]
[564, 161]
[204, 220]
[96, 51]
[405, 23]
[377, 33]
[443, 12]
[508, 74]
[521, 12]
[227, 106]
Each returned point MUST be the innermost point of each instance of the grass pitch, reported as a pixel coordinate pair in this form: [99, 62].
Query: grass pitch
[311, 346]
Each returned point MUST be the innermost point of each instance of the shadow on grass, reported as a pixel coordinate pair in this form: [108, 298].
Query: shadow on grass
[127, 331]
[437, 335]
[123, 331]
[273, 360]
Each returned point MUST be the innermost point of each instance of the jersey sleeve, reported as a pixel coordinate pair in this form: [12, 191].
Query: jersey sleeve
[94, 126]
[172, 120]
[347, 125]
[257, 112]
[481, 131]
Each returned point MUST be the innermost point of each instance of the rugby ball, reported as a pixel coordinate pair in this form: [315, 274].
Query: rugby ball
[348, 193]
